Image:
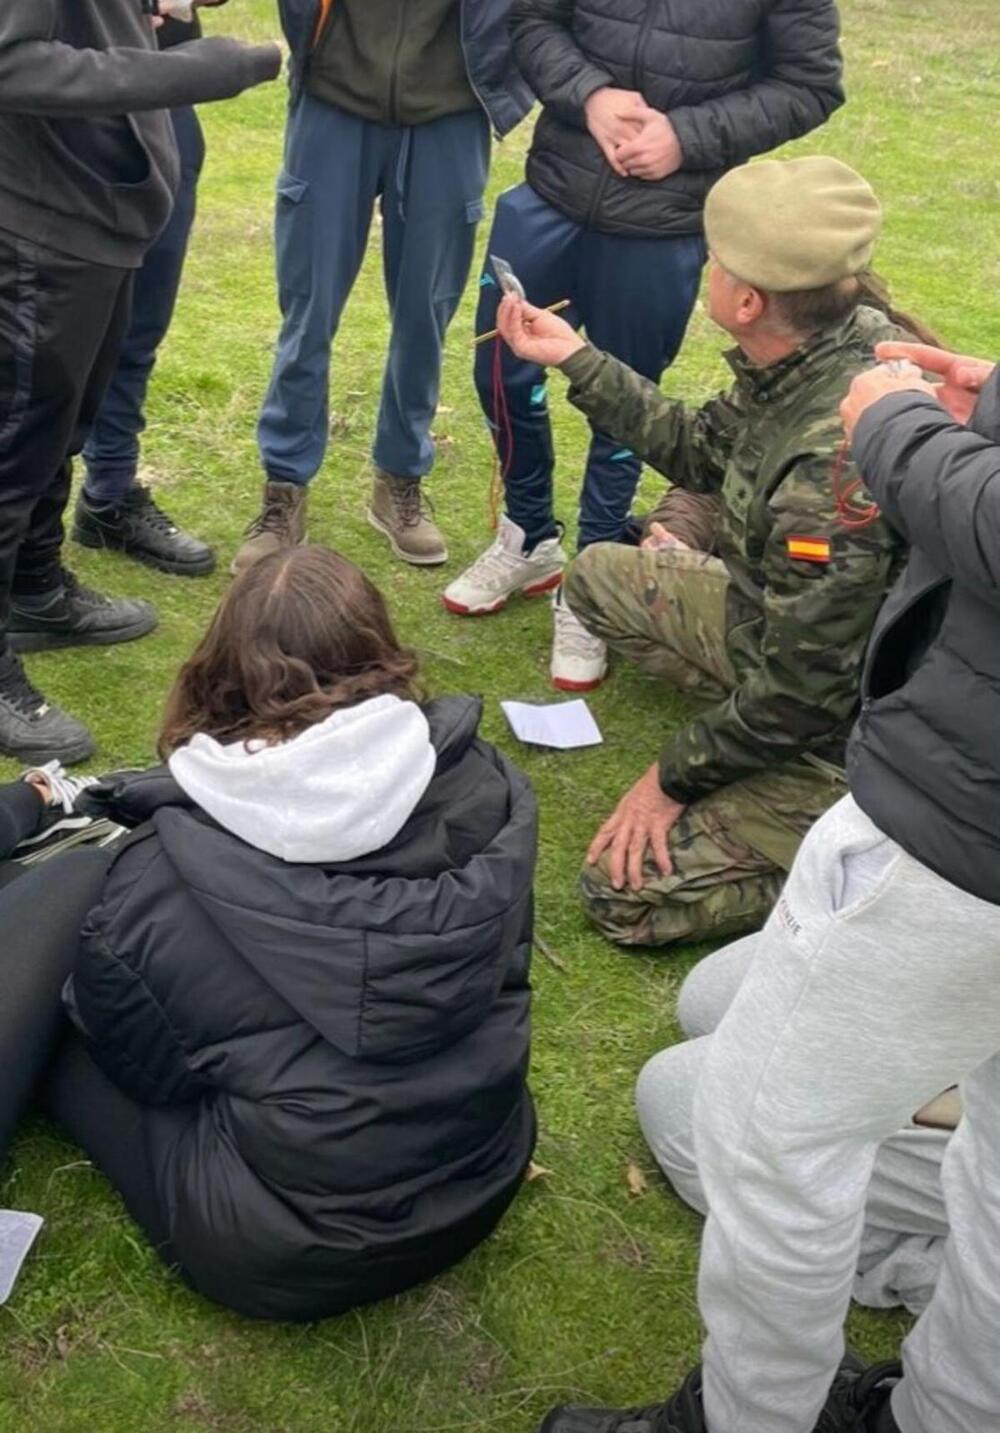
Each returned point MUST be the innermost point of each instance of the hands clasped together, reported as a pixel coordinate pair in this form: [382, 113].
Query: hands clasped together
[637, 141]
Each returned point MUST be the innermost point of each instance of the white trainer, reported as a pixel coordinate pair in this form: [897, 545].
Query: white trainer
[579, 660]
[503, 570]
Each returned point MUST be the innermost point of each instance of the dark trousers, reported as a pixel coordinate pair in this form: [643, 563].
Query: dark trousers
[634, 298]
[430, 180]
[44, 1061]
[112, 449]
[61, 325]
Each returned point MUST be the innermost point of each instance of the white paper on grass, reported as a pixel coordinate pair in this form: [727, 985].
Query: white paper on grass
[18, 1231]
[564, 725]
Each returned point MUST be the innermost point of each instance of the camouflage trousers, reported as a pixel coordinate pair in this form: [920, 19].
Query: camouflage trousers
[730, 850]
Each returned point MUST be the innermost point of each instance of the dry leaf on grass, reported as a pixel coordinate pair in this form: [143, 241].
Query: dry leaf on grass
[636, 1180]
[536, 1171]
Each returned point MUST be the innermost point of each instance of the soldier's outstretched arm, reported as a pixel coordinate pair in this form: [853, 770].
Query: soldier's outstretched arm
[823, 585]
[691, 448]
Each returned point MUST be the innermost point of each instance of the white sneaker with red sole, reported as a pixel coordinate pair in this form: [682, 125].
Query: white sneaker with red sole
[503, 570]
[579, 660]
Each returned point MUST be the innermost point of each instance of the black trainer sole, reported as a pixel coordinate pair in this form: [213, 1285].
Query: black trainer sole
[32, 641]
[202, 568]
[82, 750]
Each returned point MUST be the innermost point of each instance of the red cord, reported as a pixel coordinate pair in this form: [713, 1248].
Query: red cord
[503, 431]
[853, 516]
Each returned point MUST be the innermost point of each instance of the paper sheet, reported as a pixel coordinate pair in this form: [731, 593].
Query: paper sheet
[564, 725]
[18, 1232]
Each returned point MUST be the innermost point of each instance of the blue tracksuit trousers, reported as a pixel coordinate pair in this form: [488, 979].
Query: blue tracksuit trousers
[111, 453]
[634, 298]
[430, 179]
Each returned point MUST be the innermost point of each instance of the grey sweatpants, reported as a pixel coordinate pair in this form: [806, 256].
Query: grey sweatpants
[874, 985]
[905, 1223]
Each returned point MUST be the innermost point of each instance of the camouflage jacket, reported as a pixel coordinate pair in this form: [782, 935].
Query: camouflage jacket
[804, 589]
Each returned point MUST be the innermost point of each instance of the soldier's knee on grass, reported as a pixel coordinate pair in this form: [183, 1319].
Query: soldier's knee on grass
[628, 917]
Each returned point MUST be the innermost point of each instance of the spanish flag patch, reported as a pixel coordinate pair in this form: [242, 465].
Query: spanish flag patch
[808, 549]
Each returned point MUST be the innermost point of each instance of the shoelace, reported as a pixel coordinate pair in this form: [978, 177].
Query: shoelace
[18, 692]
[146, 507]
[65, 788]
[75, 589]
[497, 561]
[851, 1397]
[410, 502]
[572, 637]
[275, 516]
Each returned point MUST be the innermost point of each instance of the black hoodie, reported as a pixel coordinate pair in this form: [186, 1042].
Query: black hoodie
[88, 163]
[342, 1050]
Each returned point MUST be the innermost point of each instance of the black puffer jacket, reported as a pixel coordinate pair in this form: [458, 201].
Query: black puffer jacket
[342, 1052]
[737, 78]
[924, 761]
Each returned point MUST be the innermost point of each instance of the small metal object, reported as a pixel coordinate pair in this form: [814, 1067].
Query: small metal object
[896, 366]
[506, 278]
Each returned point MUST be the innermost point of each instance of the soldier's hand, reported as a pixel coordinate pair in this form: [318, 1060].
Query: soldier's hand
[535, 335]
[660, 538]
[963, 378]
[642, 820]
[878, 383]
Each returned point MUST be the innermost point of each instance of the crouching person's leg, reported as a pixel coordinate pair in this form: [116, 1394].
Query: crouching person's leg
[730, 854]
[665, 611]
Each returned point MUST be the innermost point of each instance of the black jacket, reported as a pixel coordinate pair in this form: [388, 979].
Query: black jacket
[88, 161]
[343, 1051]
[736, 79]
[924, 761]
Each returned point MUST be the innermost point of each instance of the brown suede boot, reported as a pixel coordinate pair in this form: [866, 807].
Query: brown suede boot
[399, 510]
[280, 523]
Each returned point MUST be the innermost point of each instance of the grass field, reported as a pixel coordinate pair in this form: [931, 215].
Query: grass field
[586, 1289]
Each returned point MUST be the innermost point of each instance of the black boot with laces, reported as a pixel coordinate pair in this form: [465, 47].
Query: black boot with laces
[31, 730]
[858, 1402]
[138, 527]
[72, 615]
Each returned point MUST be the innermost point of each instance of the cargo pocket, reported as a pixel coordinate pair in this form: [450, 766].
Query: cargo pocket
[455, 256]
[293, 236]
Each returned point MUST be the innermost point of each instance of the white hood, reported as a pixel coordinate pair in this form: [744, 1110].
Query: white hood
[340, 789]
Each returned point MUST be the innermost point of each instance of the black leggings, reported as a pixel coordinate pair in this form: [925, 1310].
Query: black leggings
[44, 1060]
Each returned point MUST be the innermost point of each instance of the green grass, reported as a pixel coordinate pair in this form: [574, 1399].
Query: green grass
[585, 1290]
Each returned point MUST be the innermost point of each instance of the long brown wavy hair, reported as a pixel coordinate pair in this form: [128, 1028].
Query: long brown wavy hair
[298, 635]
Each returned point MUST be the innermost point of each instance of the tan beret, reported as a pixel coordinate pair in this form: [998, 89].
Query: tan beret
[787, 224]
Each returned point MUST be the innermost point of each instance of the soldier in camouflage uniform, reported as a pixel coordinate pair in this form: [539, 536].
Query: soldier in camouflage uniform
[766, 632]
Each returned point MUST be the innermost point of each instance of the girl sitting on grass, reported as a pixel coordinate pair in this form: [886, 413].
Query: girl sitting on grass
[298, 987]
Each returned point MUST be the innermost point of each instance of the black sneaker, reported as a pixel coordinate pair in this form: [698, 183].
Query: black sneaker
[141, 529]
[859, 1400]
[66, 821]
[682, 1414]
[76, 616]
[31, 730]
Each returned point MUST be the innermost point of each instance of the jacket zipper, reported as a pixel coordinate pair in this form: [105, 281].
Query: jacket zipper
[640, 43]
[394, 72]
[468, 70]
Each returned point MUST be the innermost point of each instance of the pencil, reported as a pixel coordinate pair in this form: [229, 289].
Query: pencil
[552, 308]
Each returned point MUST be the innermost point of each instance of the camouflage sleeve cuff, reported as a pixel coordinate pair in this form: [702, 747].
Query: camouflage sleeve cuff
[685, 792]
[583, 366]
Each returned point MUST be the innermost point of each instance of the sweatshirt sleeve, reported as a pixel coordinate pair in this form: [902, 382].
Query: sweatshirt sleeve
[41, 75]
[798, 87]
[937, 482]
